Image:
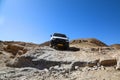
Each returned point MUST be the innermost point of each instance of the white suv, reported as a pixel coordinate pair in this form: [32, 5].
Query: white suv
[59, 40]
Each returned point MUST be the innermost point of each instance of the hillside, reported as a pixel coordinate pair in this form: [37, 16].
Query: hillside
[86, 59]
[89, 42]
[117, 46]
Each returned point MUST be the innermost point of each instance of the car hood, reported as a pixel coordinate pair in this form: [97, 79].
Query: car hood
[60, 37]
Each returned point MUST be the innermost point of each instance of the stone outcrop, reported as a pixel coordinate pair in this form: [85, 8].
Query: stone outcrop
[45, 57]
[107, 61]
[15, 48]
[118, 64]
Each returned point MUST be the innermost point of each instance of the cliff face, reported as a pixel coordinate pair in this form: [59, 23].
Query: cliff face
[86, 59]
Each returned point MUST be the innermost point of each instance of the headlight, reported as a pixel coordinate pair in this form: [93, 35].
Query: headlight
[53, 38]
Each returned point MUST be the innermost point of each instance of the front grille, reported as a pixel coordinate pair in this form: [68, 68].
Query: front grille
[60, 40]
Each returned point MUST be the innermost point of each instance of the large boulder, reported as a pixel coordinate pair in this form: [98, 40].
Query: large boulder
[78, 64]
[84, 64]
[108, 61]
[118, 64]
[15, 48]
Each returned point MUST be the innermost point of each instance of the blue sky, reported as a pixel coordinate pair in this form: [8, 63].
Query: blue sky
[35, 20]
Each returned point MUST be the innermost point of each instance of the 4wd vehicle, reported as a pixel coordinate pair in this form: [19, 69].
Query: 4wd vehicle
[59, 40]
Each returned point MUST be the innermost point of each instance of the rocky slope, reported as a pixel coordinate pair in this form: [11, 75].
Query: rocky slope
[86, 59]
[117, 46]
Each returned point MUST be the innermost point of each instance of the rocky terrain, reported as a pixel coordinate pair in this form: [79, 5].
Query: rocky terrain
[86, 59]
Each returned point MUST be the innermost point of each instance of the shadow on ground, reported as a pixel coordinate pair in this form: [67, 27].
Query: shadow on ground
[74, 49]
[69, 49]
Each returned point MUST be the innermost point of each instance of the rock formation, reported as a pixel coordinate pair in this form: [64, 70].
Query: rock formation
[86, 59]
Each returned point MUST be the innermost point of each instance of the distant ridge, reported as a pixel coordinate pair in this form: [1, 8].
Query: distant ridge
[117, 46]
[88, 42]
[45, 43]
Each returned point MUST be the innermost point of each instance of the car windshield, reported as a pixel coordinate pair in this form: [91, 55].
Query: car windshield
[59, 35]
